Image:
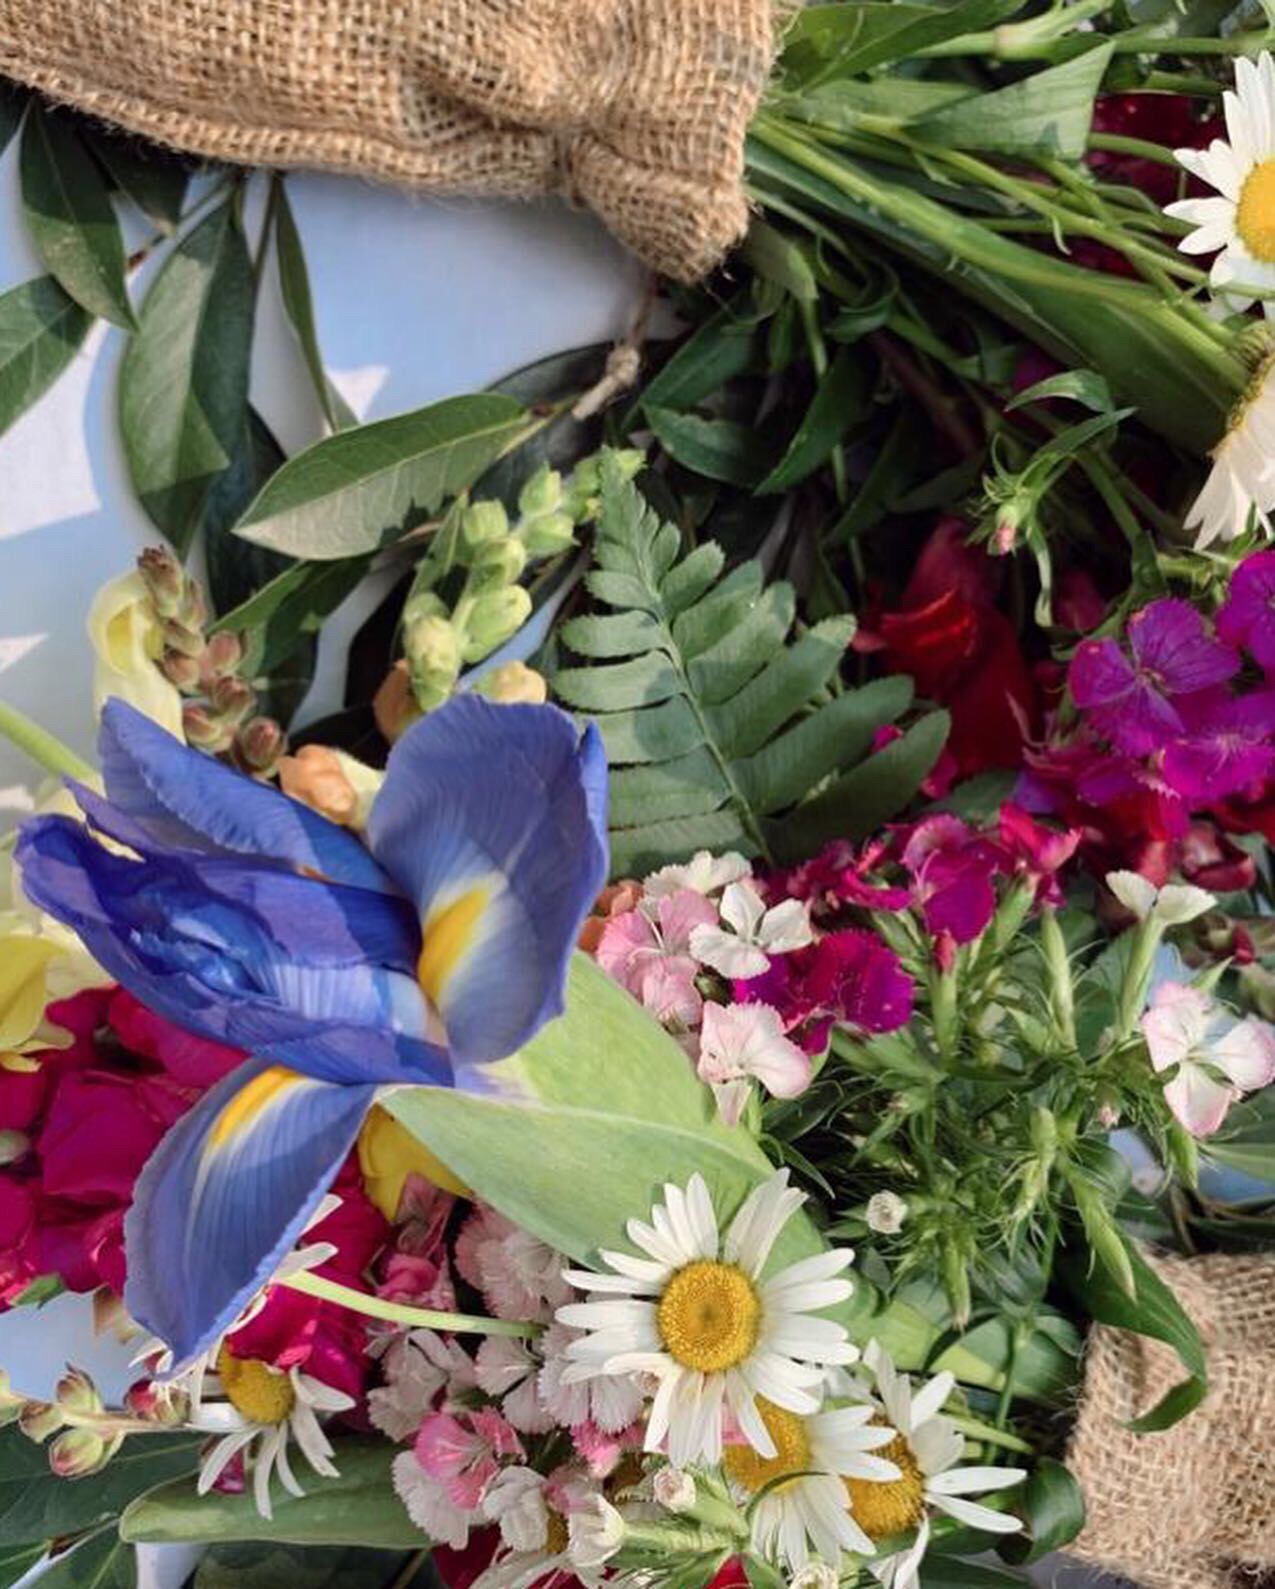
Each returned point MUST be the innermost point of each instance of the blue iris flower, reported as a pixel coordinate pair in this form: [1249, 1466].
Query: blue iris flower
[340, 967]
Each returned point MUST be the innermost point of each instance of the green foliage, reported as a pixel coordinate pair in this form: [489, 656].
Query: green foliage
[41, 330]
[184, 381]
[154, 180]
[357, 1508]
[35, 1505]
[1053, 1509]
[103, 1561]
[70, 216]
[294, 283]
[717, 725]
[350, 492]
[248, 1565]
[842, 40]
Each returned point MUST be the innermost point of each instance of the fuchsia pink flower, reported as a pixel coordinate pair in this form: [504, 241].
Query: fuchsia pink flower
[953, 871]
[849, 977]
[1247, 618]
[1218, 1058]
[1134, 701]
[1036, 852]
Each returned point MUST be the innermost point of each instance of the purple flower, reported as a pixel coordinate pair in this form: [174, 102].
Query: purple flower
[1134, 703]
[953, 871]
[1228, 748]
[1248, 617]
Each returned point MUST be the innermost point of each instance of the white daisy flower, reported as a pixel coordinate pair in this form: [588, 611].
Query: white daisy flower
[755, 932]
[927, 1450]
[265, 1406]
[806, 1499]
[1238, 224]
[696, 1314]
[1241, 483]
[705, 873]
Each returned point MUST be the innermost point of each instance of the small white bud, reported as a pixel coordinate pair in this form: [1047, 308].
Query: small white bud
[815, 1575]
[886, 1213]
[674, 1489]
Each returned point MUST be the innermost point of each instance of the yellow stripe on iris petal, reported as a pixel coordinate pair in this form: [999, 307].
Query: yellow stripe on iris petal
[250, 1101]
[447, 936]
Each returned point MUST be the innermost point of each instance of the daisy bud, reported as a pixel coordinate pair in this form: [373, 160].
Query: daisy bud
[77, 1453]
[885, 1213]
[38, 1420]
[76, 1392]
[494, 618]
[674, 1490]
[815, 1575]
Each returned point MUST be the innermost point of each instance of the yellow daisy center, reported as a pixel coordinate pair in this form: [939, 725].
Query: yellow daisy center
[1255, 217]
[883, 1510]
[708, 1316]
[752, 1471]
[261, 1393]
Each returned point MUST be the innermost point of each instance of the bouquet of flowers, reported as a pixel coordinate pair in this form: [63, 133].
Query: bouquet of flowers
[743, 1053]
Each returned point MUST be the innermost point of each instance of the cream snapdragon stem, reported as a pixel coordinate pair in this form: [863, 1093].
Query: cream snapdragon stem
[399, 1313]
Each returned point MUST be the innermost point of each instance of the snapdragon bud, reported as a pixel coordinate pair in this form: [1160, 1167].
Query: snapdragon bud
[512, 683]
[165, 580]
[493, 618]
[223, 654]
[232, 699]
[394, 705]
[181, 669]
[434, 651]
[479, 523]
[76, 1392]
[156, 1403]
[204, 731]
[548, 534]
[38, 1420]
[259, 744]
[496, 563]
[78, 1453]
[542, 493]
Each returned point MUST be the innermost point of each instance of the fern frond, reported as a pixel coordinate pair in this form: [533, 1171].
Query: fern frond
[722, 732]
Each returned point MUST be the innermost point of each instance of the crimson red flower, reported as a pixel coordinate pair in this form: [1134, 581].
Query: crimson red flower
[949, 636]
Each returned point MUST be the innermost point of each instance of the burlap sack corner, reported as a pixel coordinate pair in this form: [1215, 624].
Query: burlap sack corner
[637, 107]
[1194, 1506]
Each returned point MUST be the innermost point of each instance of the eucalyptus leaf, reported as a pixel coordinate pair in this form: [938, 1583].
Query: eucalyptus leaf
[36, 1505]
[1048, 113]
[13, 103]
[153, 179]
[41, 331]
[294, 283]
[360, 1507]
[184, 380]
[70, 217]
[350, 492]
[291, 607]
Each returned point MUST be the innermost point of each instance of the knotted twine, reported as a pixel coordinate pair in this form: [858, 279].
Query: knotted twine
[637, 108]
[1194, 1506]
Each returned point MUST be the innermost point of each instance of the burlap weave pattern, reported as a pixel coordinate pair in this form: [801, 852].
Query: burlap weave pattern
[1193, 1507]
[638, 107]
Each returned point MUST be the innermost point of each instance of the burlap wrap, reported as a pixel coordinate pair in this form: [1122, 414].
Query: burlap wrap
[1193, 1507]
[636, 107]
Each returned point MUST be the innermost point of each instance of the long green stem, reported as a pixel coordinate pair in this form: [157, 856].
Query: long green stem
[399, 1313]
[41, 746]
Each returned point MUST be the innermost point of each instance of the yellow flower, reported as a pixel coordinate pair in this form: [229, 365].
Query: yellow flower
[127, 636]
[389, 1153]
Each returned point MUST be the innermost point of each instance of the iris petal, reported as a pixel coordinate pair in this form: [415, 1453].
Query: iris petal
[186, 800]
[226, 1194]
[493, 820]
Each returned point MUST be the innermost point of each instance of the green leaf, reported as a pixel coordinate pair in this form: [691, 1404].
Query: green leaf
[1086, 387]
[357, 1508]
[153, 179]
[1053, 1507]
[717, 351]
[848, 38]
[953, 1572]
[838, 404]
[184, 380]
[350, 492]
[41, 330]
[293, 605]
[236, 570]
[777, 258]
[246, 1564]
[294, 283]
[35, 1505]
[103, 1561]
[13, 102]
[68, 211]
[1046, 114]
[16, 1561]
[1153, 1311]
[718, 449]
[878, 788]
[716, 724]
